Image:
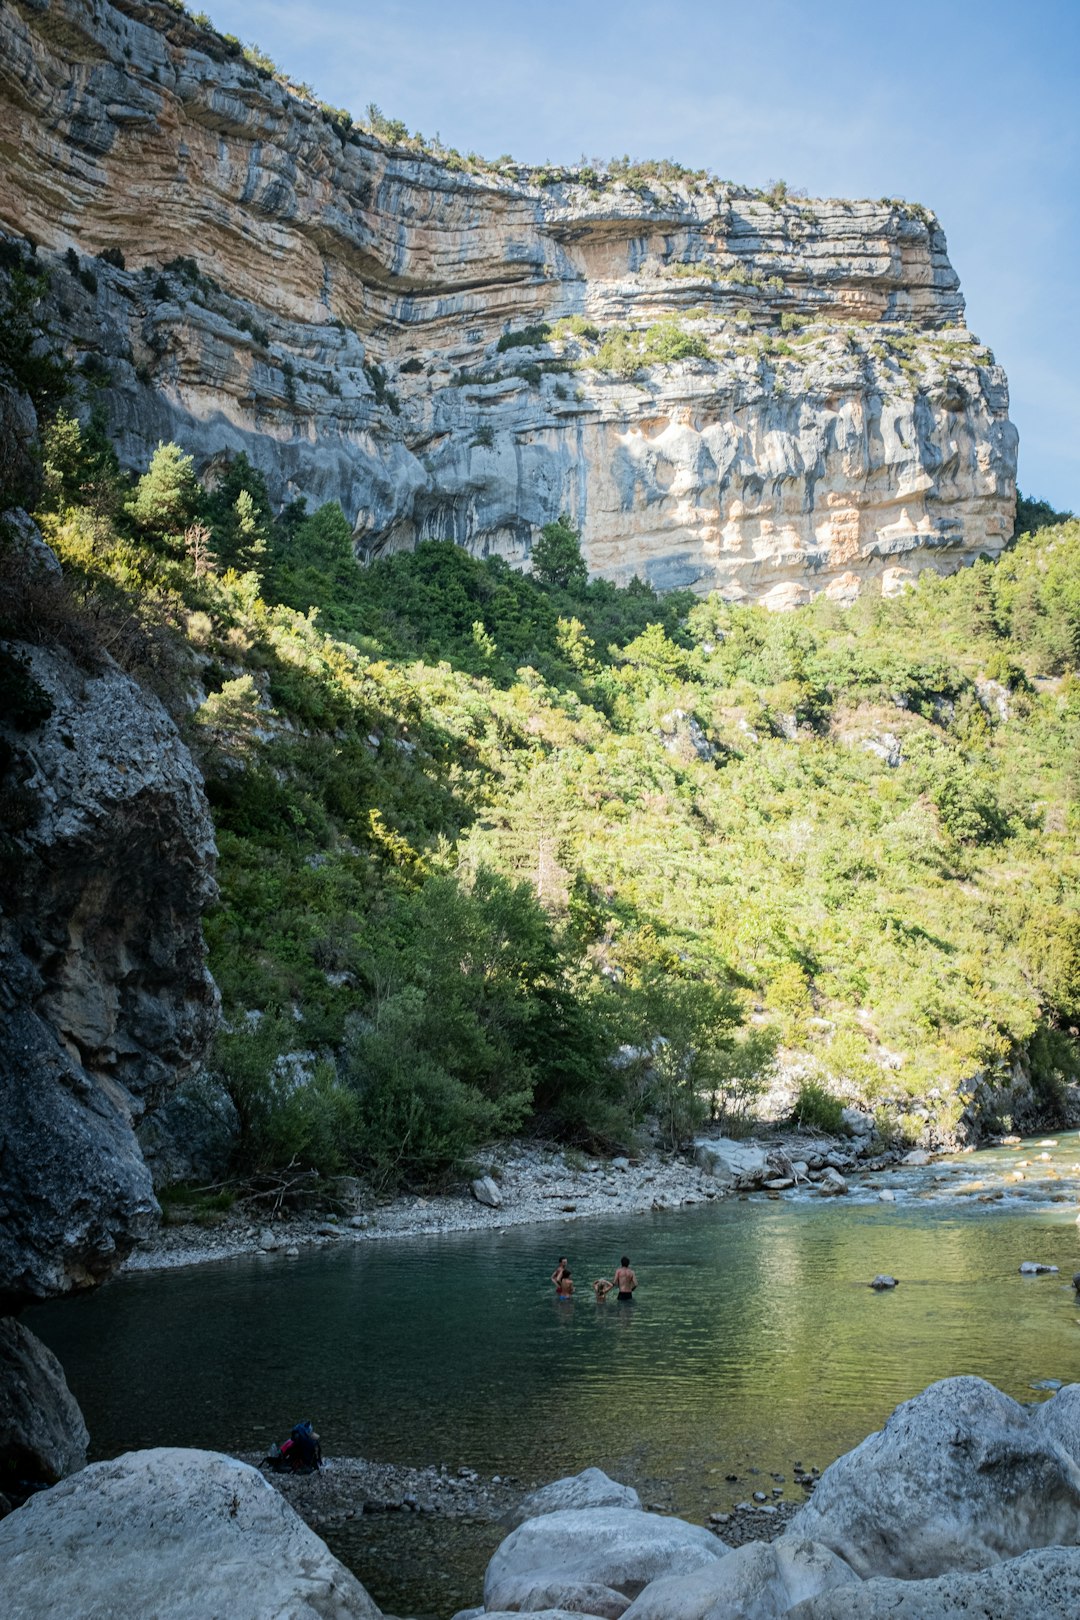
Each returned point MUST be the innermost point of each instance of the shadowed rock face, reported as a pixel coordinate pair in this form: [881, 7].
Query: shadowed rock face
[105, 1001]
[868, 446]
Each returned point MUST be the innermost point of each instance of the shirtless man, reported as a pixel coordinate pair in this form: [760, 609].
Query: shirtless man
[625, 1281]
[557, 1274]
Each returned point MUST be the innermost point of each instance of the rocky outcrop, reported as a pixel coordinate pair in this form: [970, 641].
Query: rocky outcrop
[959, 1478]
[615, 1547]
[757, 1580]
[1045, 1584]
[105, 1001]
[177, 1534]
[42, 1433]
[788, 401]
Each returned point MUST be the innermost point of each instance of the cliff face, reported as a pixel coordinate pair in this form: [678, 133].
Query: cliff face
[105, 1000]
[341, 328]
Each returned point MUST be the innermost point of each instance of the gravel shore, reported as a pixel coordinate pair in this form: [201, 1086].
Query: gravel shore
[533, 1182]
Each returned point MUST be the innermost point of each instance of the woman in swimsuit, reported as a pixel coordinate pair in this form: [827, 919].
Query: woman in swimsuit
[565, 1286]
[557, 1274]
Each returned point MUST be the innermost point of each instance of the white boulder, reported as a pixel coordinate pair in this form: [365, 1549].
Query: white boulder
[856, 1123]
[485, 1189]
[590, 1489]
[755, 1582]
[832, 1183]
[1039, 1585]
[730, 1161]
[608, 1546]
[534, 1593]
[959, 1478]
[176, 1534]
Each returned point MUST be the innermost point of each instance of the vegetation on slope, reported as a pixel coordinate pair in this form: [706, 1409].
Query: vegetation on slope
[498, 849]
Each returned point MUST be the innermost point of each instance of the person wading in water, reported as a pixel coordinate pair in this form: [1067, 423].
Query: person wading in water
[557, 1274]
[625, 1281]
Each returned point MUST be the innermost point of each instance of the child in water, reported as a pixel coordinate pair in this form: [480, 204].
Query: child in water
[564, 1288]
[602, 1288]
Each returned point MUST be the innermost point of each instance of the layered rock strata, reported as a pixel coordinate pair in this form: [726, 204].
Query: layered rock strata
[761, 394]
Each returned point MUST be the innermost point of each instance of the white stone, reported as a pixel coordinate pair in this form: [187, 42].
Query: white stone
[756, 1580]
[486, 1191]
[528, 1594]
[730, 1161]
[269, 1240]
[1039, 1585]
[917, 1156]
[590, 1489]
[1034, 1268]
[856, 1122]
[173, 1534]
[609, 1546]
[960, 1477]
[832, 1183]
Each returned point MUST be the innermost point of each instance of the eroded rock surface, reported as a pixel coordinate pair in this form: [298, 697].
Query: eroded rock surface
[333, 307]
[959, 1478]
[177, 1534]
[105, 1001]
[590, 1489]
[1041, 1585]
[616, 1547]
[42, 1433]
[755, 1582]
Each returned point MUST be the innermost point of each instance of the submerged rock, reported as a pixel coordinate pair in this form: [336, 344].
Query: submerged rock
[176, 1534]
[960, 1477]
[1034, 1268]
[882, 1281]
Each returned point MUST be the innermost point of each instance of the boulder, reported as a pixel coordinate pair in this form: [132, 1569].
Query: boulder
[1034, 1268]
[731, 1161]
[1039, 1585]
[756, 1581]
[269, 1240]
[529, 1594]
[42, 1433]
[485, 1190]
[590, 1489]
[856, 1123]
[917, 1156]
[960, 1477]
[883, 1281]
[832, 1183]
[607, 1546]
[176, 1534]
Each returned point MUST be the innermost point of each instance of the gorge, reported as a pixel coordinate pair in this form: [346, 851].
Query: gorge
[399, 755]
[722, 388]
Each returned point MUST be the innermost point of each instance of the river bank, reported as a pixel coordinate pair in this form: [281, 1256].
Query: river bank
[532, 1182]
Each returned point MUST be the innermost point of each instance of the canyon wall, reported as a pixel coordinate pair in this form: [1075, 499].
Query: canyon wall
[757, 393]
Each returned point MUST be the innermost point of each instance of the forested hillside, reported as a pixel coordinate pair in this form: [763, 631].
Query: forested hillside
[482, 834]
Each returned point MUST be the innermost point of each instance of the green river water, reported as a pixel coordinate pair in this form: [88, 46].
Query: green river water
[754, 1342]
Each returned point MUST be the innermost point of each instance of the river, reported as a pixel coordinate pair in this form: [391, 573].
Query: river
[754, 1342]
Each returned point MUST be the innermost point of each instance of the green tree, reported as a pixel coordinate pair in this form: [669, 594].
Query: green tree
[556, 556]
[167, 495]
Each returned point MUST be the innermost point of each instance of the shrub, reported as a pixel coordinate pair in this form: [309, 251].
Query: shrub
[556, 556]
[529, 337]
[817, 1109]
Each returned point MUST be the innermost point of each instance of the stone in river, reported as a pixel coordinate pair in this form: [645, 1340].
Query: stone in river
[883, 1280]
[917, 1156]
[832, 1183]
[1035, 1268]
[887, 1196]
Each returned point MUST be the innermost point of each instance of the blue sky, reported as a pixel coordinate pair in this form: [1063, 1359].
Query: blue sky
[969, 106]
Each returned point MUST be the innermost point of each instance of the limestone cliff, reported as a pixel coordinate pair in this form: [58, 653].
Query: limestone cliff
[106, 864]
[333, 307]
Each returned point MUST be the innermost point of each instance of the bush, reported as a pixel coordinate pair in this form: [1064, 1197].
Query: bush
[556, 556]
[529, 337]
[817, 1109]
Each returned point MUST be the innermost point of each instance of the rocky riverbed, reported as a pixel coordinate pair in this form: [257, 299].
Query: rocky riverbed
[522, 1183]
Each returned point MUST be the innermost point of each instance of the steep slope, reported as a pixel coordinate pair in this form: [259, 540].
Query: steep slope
[766, 395]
